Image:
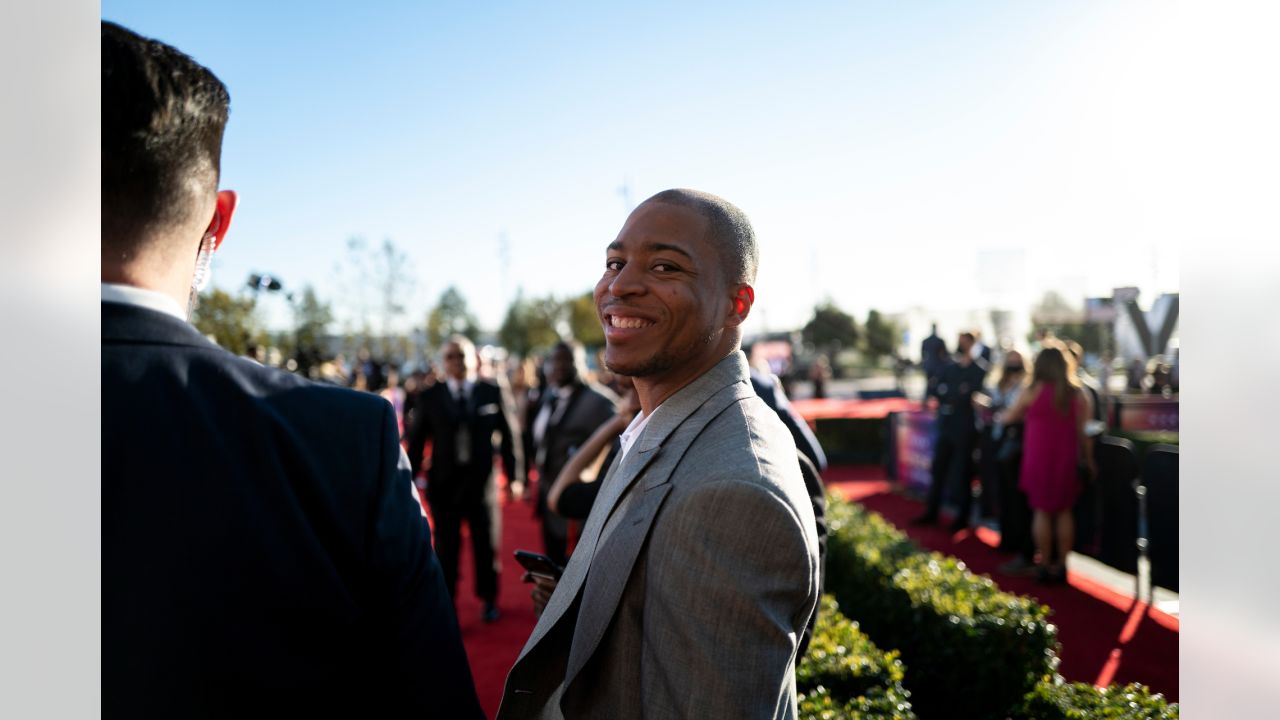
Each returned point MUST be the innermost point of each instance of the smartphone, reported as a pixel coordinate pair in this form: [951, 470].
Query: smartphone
[539, 564]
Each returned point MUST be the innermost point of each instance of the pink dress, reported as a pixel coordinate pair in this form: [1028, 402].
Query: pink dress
[1050, 449]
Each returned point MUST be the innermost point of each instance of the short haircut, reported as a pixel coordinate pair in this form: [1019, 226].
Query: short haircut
[163, 115]
[727, 227]
[576, 350]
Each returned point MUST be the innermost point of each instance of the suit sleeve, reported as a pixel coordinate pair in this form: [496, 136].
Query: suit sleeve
[512, 447]
[419, 431]
[730, 585]
[415, 615]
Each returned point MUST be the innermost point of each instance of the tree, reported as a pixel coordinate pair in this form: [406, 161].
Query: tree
[450, 316]
[880, 337]
[531, 324]
[830, 328]
[312, 318]
[230, 321]
[374, 284]
[584, 322]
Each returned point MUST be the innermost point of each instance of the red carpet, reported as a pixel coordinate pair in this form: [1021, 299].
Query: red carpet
[492, 649]
[1106, 636]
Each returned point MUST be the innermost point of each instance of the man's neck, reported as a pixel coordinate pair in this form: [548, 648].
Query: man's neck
[653, 391]
[173, 286]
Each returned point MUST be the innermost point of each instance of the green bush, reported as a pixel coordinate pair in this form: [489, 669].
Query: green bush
[818, 704]
[844, 669]
[853, 440]
[1081, 701]
[970, 650]
[845, 676]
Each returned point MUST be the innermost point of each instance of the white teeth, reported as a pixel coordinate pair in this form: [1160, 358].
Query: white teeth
[630, 323]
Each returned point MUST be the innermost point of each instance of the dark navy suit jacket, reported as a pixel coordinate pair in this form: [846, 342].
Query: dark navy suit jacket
[262, 551]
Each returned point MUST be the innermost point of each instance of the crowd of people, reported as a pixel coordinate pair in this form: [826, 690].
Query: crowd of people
[1028, 436]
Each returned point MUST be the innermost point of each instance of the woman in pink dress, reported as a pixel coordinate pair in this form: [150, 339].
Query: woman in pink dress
[1053, 411]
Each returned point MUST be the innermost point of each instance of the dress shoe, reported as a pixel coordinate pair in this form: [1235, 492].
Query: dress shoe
[1018, 567]
[925, 519]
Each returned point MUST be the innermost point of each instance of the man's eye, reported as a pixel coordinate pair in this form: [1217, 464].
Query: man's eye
[665, 268]
[614, 265]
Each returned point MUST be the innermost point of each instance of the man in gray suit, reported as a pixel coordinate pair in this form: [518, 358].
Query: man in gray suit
[697, 569]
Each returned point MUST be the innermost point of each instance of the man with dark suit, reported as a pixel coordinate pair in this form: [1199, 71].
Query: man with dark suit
[953, 466]
[933, 358]
[697, 569]
[262, 548]
[569, 411]
[460, 415]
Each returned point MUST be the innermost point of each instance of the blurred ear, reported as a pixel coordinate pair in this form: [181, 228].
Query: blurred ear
[744, 296]
[224, 208]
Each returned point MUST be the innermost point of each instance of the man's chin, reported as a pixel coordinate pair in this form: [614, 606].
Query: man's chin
[637, 367]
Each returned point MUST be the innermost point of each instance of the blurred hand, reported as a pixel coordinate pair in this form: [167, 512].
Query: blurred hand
[543, 586]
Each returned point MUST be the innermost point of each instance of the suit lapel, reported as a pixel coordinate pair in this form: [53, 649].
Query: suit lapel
[614, 559]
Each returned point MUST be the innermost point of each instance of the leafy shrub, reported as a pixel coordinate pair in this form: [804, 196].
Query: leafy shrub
[847, 670]
[1081, 701]
[818, 704]
[971, 650]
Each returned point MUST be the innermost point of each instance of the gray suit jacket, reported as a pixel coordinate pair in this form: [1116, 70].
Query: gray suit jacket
[693, 604]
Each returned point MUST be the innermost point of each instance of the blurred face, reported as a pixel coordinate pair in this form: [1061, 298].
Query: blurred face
[964, 344]
[455, 365]
[662, 298]
[563, 372]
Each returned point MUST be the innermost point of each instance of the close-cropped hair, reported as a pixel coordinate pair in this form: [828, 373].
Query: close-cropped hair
[727, 226]
[163, 116]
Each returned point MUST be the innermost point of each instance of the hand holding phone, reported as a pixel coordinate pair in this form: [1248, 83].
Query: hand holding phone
[539, 564]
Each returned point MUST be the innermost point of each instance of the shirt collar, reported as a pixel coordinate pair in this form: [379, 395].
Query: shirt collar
[141, 297]
[633, 432]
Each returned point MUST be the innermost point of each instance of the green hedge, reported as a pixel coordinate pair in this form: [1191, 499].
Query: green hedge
[844, 675]
[1081, 701]
[970, 650]
[853, 440]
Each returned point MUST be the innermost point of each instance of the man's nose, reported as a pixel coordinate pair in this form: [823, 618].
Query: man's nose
[628, 281]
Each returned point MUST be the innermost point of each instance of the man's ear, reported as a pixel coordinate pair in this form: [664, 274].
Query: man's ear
[744, 296]
[224, 207]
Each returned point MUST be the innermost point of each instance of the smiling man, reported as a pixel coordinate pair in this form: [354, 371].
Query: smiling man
[697, 569]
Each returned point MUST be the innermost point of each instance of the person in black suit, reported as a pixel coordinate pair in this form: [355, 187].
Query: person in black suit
[569, 411]
[953, 467]
[933, 358]
[460, 415]
[262, 548]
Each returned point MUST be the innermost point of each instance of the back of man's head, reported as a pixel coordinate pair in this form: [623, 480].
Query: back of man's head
[163, 117]
[728, 228]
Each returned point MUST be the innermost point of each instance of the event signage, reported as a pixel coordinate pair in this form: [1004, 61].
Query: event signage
[914, 435]
[1147, 413]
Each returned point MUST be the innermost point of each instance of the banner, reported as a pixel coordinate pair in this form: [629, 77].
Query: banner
[914, 435]
[1137, 413]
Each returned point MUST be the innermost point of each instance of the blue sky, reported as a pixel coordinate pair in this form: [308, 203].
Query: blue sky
[941, 156]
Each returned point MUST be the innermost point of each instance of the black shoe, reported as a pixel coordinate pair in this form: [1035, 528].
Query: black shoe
[490, 614]
[925, 519]
[1054, 576]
